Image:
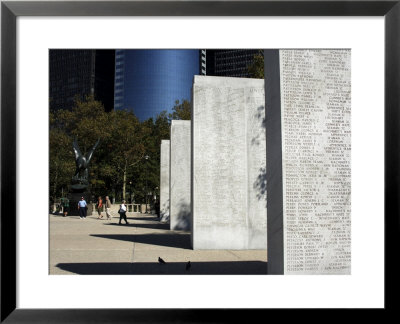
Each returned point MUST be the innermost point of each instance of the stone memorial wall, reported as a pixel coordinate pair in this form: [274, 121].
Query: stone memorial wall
[228, 164]
[180, 207]
[315, 105]
[164, 181]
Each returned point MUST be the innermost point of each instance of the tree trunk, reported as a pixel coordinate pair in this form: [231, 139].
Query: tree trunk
[55, 183]
[124, 183]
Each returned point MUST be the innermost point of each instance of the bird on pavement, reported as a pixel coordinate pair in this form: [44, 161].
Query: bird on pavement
[161, 260]
[188, 265]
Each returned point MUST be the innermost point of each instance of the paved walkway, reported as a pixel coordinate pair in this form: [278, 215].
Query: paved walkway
[97, 246]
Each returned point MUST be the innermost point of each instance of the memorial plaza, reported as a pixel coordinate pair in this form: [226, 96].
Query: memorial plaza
[100, 247]
[242, 152]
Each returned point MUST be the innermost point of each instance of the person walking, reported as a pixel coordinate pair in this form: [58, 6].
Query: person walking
[65, 206]
[82, 207]
[122, 212]
[99, 206]
[108, 208]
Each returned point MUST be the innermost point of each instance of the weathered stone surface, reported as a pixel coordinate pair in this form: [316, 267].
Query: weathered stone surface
[316, 172]
[228, 164]
[164, 181]
[180, 175]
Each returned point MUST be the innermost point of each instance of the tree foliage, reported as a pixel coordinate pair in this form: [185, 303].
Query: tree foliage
[256, 69]
[61, 162]
[118, 167]
[181, 110]
[146, 175]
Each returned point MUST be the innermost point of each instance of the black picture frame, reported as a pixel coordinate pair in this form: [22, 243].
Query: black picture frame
[10, 10]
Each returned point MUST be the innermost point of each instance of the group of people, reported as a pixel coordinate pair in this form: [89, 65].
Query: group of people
[82, 208]
[99, 207]
[122, 209]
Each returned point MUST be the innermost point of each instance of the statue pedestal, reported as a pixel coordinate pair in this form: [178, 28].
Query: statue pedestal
[80, 184]
[74, 198]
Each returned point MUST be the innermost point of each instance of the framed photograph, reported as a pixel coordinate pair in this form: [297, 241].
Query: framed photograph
[31, 30]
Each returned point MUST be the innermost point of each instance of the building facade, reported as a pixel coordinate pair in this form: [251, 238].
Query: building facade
[230, 62]
[144, 81]
[79, 73]
[150, 81]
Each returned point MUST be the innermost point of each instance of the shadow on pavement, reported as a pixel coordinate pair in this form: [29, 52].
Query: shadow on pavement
[173, 268]
[155, 226]
[172, 240]
[149, 218]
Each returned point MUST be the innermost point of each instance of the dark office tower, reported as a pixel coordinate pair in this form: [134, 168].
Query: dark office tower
[150, 81]
[79, 73]
[230, 62]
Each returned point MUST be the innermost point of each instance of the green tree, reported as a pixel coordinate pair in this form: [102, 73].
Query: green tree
[120, 145]
[61, 164]
[161, 131]
[119, 163]
[127, 146]
[181, 110]
[256, 69]
[146, 174]
[86, 122]
[162, 127]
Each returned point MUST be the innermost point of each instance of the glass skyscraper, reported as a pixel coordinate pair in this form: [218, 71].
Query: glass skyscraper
[150, 81]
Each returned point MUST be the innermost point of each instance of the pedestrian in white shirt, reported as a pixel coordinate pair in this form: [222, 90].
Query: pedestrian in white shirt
[122, 212]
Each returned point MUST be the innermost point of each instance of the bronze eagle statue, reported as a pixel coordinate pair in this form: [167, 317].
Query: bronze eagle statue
[82, 161]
